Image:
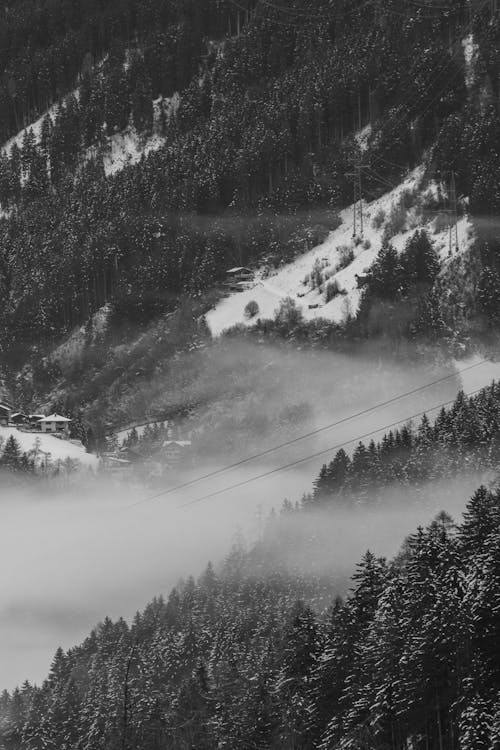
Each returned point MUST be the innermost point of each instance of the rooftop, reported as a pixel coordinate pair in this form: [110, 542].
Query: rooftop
[55, 418]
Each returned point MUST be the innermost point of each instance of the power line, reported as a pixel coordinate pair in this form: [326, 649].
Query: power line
[312, 433]
[299, 461]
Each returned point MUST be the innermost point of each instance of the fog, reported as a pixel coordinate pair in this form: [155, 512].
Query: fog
[72, 558]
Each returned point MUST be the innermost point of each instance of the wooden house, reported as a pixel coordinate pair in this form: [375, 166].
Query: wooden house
[173, 453]
[4, 415]
[34, 421]
[55, 424]
[19, 419]
[239, 278]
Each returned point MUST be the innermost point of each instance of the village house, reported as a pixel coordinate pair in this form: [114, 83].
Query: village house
[19, 419]
[34, 421]
[55, 424]
[4, 415]
[239, 278]
[173, 453]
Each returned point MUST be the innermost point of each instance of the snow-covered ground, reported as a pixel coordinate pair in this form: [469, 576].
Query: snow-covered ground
[58, 449]
[290, 280]
[121, 149]
[124, 149]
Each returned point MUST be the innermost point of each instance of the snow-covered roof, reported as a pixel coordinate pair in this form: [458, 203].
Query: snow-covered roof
[36, 416]
[180, 443]
[18, 414]
[4, 408]
[55, 418]
[237, 269]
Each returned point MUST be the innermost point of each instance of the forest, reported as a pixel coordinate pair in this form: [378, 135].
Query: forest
[256, 653]
[253, 657]
[247, 117]
[255, 111]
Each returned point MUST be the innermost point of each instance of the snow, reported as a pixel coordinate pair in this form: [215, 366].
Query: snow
[362, 137]
[288, 281]
[470, 53]
[124, 149]
[481, 374]
[128, 147]
[36, 126]
[59, 449]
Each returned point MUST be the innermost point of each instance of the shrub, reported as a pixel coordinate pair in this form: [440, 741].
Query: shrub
[397, 219]
[251, 309]
[378, 219]
[288, 315]
[332, 291]
[317, 274]
[408, 198]
[367, 245]
[346, 257]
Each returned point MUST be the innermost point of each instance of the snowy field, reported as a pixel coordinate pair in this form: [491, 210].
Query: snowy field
[58, 449]
[288, 281]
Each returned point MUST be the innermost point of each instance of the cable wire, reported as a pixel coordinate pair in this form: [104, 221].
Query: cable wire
[312, 433]
[310, 457]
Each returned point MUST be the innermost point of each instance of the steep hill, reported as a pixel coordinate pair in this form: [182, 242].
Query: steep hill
[148, 148]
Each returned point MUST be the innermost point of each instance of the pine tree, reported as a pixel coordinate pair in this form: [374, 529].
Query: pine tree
[11, 456]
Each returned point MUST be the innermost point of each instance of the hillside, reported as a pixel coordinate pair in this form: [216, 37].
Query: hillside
[48, 449]
[251, 655]
[208, 134]
[250, 255]
[393, 217]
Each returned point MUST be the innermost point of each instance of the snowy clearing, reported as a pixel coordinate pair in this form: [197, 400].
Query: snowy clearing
[291, 279]
[59, 449]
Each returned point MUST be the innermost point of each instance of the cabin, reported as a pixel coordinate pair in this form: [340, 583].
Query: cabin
[55, 424]
[174, 452]
[115, 465]
[34, 421]
[239, 278]
[19, 419]
[131, 454]
[4, 415]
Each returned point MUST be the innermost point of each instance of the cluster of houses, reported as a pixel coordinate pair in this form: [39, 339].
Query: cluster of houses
[53, 424]
[166, 459]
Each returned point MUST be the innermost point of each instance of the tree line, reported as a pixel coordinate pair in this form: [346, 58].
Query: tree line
[243, 657]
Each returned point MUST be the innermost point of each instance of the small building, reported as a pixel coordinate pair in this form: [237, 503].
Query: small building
[239, 278]
[34, 421]
[116, 466]
[19, 419]
[55, 424]
[174, 452]
[4, 415]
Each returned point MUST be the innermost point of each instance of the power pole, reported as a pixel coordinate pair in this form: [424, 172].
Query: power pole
[453, 206]
[358, 197]
[260, 522]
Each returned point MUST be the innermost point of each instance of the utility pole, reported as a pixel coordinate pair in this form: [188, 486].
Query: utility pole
[358, 197]
[260, 522]
[453, 206]
[451, 211]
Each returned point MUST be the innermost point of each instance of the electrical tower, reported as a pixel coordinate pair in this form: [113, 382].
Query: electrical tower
[357, 206]
[453, 208]
[451, 211]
